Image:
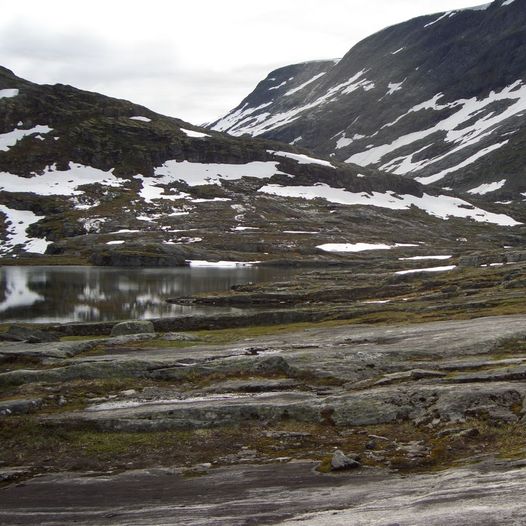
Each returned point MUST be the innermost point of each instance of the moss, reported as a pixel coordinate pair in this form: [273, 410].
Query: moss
[325, 465]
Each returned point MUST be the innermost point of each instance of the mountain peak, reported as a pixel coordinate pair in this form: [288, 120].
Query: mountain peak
[430, 98]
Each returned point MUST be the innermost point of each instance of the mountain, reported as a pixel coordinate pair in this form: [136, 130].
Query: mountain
[440, 98]
[85, 177]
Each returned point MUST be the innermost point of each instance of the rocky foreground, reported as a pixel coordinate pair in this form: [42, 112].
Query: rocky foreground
[288, 494]
[332, 422]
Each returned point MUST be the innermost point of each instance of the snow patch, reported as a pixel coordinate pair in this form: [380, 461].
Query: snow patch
[470, 160]
[55, 182]
[195, 134]
[236, 117]
[220, 264]
[294, 90]
[353, 247]
[299, 232]
[196, 174]
[139, 118]
[441, 206]
[301, 158]
[278, 86]
[342, 142]
[150, 190]
[211, 200]
[461, 136]
[432, 269]
[393, 87]
[8, 93]
[445, 15]
[244, 121]
[9, 139]
[92, 225]
[17, 222]
[418, 258]
[486, 188]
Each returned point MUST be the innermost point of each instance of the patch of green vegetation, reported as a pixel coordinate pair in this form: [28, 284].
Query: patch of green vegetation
[28, 441]
[325, 464]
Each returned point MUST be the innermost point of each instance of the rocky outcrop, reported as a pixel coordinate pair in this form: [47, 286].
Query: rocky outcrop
[293, 493]
[125, 328]
[144, 256]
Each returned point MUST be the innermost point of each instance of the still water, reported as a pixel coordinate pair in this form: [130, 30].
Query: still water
[63, 294]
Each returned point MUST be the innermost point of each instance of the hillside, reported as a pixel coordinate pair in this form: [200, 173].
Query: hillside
[440, 98]
[101, 180]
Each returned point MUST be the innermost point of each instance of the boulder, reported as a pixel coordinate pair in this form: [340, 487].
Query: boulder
[133, 327]
[20, 406]
[340, 461]
[18, 333]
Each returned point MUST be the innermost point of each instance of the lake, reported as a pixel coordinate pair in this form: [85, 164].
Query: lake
[78, 293]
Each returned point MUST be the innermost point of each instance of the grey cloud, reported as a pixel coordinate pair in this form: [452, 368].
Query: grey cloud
[192, 61]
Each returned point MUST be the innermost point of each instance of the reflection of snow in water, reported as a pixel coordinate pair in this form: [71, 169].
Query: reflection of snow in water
[77, 293]
[17, 293]
[85, 312]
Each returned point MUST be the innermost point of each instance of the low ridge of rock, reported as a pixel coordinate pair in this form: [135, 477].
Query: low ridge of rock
[133, 327]
[341, 461]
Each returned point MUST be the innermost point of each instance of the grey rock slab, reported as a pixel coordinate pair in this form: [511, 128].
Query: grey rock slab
[8, 474]
[413, 374]
[178, 337]
[334, 352]
[462, 365]
[495, 375]
[288, 494]
[52, 350]
[382, 405]
[19, 406]
[196, 412]
[255, 385]
[126, 338]
[132, 327]
[19, 333]
[81, 370]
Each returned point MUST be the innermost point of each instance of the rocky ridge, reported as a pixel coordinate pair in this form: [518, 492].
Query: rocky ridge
[87, 178]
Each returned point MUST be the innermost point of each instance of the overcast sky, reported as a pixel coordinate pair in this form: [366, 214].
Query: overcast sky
[189, 59]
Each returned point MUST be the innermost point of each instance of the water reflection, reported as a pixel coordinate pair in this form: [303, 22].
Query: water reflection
[61, 294]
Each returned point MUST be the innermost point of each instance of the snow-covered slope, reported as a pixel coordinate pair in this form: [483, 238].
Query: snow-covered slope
[105, 180]
[441, 98]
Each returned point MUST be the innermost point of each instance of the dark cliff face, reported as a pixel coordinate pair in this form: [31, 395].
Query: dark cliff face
[440, 98]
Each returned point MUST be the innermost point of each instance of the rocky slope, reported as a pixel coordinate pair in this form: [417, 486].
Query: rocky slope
[169, 417]
[440, 98]
[86, 178]
[261, 495]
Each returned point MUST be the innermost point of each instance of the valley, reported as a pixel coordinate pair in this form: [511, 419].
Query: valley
[308, 311]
